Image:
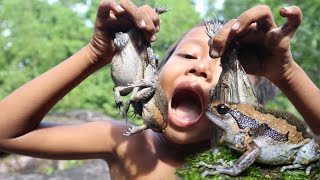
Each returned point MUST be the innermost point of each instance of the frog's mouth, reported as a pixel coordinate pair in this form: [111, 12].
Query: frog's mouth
[186, 106]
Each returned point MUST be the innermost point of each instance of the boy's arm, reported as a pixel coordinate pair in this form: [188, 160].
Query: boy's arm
[265, 51]
[22, 110]
[304, 95]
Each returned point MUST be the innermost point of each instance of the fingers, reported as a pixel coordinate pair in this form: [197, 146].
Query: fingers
[258, 19]
[294, 18]
[145, 18]
[133, 12]
[108, 9]
[261, 15]
[218, 42]
[152, 22]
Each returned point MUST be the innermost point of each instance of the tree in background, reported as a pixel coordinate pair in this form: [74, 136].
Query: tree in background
[36, 35]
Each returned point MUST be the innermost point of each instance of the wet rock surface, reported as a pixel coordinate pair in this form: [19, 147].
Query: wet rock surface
[16, 167]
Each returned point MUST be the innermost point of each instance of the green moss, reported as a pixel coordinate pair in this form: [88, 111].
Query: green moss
[190, 171]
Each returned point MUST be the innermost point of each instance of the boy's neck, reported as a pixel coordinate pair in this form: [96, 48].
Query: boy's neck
[182, 150]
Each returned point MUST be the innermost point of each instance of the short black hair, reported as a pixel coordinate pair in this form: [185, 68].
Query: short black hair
[264, 89]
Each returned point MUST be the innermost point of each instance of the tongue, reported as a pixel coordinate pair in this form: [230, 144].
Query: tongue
[188, 110]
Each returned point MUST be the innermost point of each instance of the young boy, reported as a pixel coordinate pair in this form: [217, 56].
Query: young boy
[188, 72]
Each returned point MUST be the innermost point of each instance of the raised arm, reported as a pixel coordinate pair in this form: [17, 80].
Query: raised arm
[265, 50]
[22, 111]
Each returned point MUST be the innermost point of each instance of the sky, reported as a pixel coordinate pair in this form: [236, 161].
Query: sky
[202, 8]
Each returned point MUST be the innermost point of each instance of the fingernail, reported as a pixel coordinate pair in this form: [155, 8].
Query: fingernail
[142, 23]
[235, 26]
[120, 9]
[214, 53]
[157, 28]
[153, 37]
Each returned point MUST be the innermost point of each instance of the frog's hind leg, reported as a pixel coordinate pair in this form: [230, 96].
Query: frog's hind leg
[145, 90]
[307, 154]
[117, 94]
[301, 166]
[309, 168]
[293, 166]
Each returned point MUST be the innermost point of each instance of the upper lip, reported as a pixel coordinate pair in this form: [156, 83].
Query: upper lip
[192, 86]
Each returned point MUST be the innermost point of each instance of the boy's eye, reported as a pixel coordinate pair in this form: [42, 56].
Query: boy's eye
[188, 56]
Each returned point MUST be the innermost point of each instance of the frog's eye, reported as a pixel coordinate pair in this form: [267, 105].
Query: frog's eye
[222, 109]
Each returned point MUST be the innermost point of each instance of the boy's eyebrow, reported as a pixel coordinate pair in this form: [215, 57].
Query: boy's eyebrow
[193, 42]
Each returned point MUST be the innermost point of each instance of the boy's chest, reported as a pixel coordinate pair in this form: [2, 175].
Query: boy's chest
[143, 166]
[141, 159]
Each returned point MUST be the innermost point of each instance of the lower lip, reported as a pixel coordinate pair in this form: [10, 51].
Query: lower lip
[180, 122]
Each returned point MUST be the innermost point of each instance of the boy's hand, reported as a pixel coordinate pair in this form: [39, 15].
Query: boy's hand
[264, 47]
[114, 17]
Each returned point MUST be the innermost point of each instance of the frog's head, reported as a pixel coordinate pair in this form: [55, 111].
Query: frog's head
[219, 114]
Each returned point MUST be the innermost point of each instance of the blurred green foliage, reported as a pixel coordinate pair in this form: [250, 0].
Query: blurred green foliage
[36, 35]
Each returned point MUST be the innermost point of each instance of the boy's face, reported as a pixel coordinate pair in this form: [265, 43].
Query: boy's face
[186, 79]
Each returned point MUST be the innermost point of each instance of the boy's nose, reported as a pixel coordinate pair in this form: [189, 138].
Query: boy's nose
[204, 68]
[199, 70]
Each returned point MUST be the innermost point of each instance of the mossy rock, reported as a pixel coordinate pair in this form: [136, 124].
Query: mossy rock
[190, 171]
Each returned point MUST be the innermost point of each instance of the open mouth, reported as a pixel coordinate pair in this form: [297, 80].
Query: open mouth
[186, 108]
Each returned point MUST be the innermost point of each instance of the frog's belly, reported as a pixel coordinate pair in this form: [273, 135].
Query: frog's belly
[274, 152]
[126, 69]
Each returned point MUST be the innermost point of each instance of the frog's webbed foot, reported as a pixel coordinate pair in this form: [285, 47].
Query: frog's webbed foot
[218, 168]
[125, 109]
[292, 166]
[161, 9]
[135, 130]
[119, 103]
[300, 166]
[309, 168]
[212, 27]
[121, 40]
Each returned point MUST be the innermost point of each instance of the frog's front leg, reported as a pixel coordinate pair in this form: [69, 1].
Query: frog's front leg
[117, 94]
[239, 166]
[145, 92]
